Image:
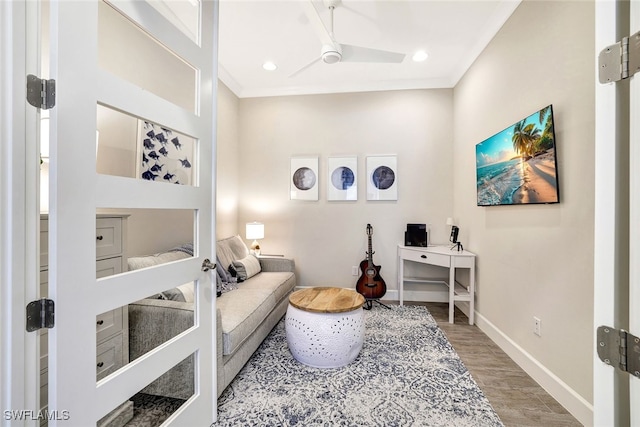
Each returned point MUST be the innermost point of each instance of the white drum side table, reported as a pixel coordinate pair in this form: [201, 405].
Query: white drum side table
[325, 326]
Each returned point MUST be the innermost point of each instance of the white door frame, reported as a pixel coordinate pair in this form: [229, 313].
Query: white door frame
[617, 213]
[19, 211]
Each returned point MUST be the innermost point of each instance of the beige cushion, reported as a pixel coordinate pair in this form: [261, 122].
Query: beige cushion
[242, 311]
[136, 263]
[186, 290]
[280, 283]
[247, 267]
[231, 249]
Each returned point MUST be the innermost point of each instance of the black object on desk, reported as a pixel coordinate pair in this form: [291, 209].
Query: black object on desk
[416, 235]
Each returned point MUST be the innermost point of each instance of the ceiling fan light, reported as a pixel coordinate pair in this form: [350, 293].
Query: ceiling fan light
[331, 57]
[420, 56]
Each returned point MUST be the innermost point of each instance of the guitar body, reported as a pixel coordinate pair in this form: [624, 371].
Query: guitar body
[370, 284]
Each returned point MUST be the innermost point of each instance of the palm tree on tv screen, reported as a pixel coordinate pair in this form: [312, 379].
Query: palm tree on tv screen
[524, 138]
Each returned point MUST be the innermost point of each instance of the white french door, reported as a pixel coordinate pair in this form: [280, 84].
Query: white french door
[87, 83]
[617, 218]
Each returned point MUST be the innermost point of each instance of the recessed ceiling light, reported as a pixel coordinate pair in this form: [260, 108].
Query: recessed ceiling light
[269, 66]
[420, 56]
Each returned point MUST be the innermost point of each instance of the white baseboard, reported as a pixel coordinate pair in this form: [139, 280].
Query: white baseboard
[565, 395]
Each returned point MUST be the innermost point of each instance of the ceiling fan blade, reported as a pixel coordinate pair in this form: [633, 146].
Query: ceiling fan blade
[316, 22]
[295, 73]
[364, 54]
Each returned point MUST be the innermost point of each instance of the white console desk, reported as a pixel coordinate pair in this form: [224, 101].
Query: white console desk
[441, 256]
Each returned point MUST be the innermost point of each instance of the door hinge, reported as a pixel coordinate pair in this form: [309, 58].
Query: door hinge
[617, 347]
[621, 60]
[40, 314]
[41, 93]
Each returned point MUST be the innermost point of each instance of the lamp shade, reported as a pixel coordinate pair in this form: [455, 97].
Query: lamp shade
[450, 221]
[255, 230]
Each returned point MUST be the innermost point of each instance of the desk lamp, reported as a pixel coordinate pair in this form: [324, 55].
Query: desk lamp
[454, 235]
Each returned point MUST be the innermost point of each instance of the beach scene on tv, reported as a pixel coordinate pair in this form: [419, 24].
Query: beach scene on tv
[518, 165]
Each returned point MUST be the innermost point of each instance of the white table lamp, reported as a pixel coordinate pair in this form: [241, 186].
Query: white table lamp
[255, 231]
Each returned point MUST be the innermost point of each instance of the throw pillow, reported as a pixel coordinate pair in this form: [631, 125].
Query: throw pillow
[247, 267]
[174, 294]
[222, 272]
[226, 282]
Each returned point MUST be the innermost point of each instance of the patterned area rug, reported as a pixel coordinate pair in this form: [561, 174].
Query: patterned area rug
[407, 374]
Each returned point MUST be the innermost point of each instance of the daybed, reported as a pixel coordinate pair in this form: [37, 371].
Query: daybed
[246, 313]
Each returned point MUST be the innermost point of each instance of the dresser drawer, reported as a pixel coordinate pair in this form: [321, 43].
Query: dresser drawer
[108, 237]
[109, 356]
[108, 267]
[108, 324]
[427, 257]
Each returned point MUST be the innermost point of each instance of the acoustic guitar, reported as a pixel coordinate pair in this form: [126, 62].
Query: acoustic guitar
[370, 284]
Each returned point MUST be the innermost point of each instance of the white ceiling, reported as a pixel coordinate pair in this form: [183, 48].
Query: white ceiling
[452, 32]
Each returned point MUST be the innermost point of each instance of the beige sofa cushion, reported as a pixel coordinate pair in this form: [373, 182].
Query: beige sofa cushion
[280, 283]
[243, 310]
[231, 249]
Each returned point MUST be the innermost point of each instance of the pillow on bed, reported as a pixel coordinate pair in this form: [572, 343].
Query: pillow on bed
[183, 293]
[136, 263]
[247, 267]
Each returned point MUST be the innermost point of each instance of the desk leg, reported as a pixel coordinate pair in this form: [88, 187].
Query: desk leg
[472, 292]
[452, 285]
[401, 280]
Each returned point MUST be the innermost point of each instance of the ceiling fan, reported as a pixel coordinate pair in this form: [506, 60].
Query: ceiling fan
[333, 52]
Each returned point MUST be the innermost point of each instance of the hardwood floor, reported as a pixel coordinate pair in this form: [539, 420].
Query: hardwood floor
[516, 397]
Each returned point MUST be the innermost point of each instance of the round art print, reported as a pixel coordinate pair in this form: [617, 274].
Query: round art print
[304, 178]
[342, 178]
[383, 177]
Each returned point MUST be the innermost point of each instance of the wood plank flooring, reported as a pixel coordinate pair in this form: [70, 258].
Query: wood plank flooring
[516, 397]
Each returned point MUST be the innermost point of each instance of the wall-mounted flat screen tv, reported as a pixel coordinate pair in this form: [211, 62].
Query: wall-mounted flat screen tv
[518, 166]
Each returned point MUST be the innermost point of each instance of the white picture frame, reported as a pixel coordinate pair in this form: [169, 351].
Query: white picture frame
[342, 178]
[164, 155]
[382, 177]
[303, 179]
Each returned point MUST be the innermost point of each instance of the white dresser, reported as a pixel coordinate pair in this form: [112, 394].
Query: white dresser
[112, 328]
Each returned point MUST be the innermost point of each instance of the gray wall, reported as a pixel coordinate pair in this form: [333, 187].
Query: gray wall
[227, 164]
[535, 260]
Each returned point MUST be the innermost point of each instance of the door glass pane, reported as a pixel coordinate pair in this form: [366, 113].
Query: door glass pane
[152, 405]
[185, 15]
[129, 332]
[135, 148]
[128, 242]
[126, 51]
[131, 239]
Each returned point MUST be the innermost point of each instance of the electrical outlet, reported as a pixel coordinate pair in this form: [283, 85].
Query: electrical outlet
[537, 326]
[354, 270]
